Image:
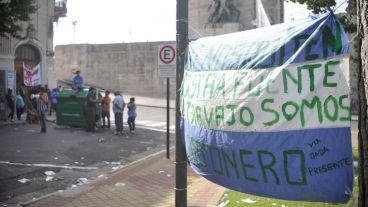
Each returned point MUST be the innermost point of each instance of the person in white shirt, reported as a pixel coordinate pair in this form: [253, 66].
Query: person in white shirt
[118, 109]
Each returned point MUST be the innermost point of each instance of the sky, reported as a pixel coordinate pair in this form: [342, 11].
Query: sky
[120, 21]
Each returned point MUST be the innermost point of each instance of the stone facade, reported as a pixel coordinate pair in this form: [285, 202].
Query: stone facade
[128, 67]
[35, 46]
[39, 33]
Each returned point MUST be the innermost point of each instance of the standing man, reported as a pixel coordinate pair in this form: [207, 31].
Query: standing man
[11, 102]
[54, 95]
[91, 109]
[118, 109]
[42, 101]
[105, 102]
[77, 82]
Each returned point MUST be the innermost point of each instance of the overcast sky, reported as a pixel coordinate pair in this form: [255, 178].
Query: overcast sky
[117, 21]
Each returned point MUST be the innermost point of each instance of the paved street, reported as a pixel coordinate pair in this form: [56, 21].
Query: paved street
[71, 153]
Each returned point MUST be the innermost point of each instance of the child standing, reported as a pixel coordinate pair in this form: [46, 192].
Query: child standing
[132, 113]
[105, 103]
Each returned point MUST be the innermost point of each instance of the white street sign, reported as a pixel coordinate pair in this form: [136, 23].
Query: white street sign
[166, 61]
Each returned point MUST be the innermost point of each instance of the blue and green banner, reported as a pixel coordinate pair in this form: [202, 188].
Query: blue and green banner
[267, 111]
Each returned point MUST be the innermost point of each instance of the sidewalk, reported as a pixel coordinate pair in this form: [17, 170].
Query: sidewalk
[146, 182]
[150, 101]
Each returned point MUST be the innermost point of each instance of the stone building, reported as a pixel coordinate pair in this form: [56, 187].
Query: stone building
[35, 47]
[132, 67]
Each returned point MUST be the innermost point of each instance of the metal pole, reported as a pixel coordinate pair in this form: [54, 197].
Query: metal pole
[168, 118]
[180, 158]
[74, 23]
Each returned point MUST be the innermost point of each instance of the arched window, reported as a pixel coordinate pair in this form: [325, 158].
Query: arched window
[27, 54]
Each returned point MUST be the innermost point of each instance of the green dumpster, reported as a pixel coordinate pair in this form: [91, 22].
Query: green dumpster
[70, 109]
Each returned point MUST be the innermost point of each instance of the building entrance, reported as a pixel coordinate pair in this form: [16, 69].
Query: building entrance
[28, 55]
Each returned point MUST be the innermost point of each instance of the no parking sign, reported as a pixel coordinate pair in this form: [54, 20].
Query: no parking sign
[166, 61]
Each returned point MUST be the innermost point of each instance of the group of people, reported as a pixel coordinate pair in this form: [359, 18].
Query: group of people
[118, 106]
[40, 102]
[13, 103]
[44, 100]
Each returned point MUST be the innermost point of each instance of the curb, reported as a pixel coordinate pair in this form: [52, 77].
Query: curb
[155, 106]
[85, 187]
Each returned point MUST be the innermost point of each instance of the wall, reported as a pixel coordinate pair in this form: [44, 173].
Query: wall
[128, 67]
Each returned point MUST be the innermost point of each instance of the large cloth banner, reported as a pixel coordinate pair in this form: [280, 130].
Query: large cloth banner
[32, 76]
[267, 111]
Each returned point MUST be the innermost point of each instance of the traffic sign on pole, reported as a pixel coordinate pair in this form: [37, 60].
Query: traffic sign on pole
[166, 61]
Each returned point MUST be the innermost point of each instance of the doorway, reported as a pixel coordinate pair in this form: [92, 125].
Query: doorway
[30, 56]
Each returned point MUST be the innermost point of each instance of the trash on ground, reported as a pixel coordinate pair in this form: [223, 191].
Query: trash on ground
[49, 173]
[82, 158]
[119, 184]
[74, 186]
[223, 204]
[59, 178]
[115, 163]
[248, 200]
[100, 176]
[161, 171]
[101, 140]
[168, 175]
[49, 178]
[115, 168]
[24, 180]
[82, 181]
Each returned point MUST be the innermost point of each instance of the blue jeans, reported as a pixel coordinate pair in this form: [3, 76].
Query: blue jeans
[119, 121]
[107, 116]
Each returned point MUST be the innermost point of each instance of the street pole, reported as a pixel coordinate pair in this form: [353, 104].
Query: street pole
[180, 158]
[168, 118]
[74, 23]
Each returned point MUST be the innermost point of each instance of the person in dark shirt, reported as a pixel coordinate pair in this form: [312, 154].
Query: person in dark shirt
[10, 99]
[91, 109]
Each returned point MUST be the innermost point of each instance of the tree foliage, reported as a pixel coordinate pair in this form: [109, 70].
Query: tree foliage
[316, 6]
[12, 13]
[320, 6]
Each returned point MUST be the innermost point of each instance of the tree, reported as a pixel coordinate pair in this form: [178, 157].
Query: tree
[12, 13]
[360, 9]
